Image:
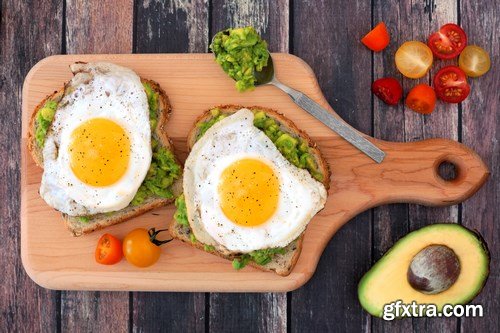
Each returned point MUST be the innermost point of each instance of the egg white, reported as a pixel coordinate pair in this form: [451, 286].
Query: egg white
[229, 140]
[98, 90]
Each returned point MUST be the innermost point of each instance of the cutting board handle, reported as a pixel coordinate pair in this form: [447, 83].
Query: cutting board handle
[410, 173]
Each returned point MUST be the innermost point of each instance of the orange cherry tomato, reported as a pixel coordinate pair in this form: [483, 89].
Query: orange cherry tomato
[108, 250]
[377, 39]
[421, 99]
[141, 248]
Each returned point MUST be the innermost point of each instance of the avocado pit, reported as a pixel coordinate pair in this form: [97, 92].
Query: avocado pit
[434, 269]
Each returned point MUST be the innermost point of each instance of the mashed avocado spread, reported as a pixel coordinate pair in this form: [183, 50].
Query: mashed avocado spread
[295, 150]
[44, 118]
[240, 52]
[163, 170]
[261, 257]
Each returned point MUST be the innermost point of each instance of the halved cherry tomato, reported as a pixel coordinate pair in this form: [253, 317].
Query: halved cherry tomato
[108, 250]
[451, 84]
[421, 99]
[141, 248]
[389, 90]
[413, 59]
[378, 38]
[448, 42]
[474, 61]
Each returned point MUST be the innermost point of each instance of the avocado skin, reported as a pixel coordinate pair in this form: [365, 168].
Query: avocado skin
[391, 255]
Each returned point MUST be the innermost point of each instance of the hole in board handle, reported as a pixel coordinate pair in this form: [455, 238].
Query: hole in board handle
[447, 170]
[450, 169]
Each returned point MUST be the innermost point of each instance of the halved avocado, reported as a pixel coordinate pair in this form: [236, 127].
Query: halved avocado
[439, 264]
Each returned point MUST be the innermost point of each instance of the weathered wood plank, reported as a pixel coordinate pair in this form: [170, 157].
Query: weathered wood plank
[174, 26]
[248, 312]
[481, 132]
[269, 17]
[326, 35]
[24, 306]
[402, 124]
[94, 311]
[97, 27]
[251, 312]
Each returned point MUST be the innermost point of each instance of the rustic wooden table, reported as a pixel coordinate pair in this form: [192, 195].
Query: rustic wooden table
[326, 35]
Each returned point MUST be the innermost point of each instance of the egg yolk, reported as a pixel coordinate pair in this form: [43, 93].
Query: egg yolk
[99, 152]
[249, 191]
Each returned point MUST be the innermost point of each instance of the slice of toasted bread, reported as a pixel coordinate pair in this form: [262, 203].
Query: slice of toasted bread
[78, 226]
[281, 264]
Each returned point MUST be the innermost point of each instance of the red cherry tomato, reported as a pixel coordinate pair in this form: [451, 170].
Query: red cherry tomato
[108, 250]
[389, 90]
[448, 42]
[421, 99]
[377, 39]
[451, 84]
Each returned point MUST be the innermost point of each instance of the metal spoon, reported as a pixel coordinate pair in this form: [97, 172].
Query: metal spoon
[266, 76]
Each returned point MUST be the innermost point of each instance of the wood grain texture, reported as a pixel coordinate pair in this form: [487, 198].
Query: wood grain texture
[402, 124]
[326, 35]
[97, 27]
[94, 311]
[173, 26]
[168, 312]
[481, 130]
[24, 306]
[409, 174]
[271, 19]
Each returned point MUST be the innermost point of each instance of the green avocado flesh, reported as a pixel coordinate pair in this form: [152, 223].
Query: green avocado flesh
[240, 52]
[260, 257]
[402, 275]
[163, 170]
[295, 150]
[44, 118]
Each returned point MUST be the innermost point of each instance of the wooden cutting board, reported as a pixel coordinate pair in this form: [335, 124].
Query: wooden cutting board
[194, 82]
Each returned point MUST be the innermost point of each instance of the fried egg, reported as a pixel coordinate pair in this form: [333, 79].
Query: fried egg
[242, 194]
[98, 149]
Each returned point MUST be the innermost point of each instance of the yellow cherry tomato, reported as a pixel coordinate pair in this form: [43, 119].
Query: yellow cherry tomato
[141, 248]
[474, 61]
[413, 59]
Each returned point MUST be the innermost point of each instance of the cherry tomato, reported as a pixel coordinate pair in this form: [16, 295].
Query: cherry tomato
[413, 59]
[421, 99]
[141, 248]
[108, 250]
[448, 42]
[451, 84]
[377, 39]
[474, 61]
[389, 90]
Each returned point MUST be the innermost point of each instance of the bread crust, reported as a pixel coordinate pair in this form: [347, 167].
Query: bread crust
[99, 221]
[293, 250]
[292, 254]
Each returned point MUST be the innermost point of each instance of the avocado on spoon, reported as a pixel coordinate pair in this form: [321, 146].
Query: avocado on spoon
[243, 55]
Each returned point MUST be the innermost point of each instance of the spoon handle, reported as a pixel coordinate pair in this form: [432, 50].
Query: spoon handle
[335, 124]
